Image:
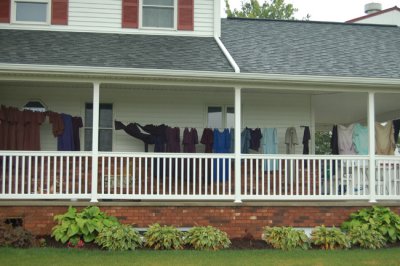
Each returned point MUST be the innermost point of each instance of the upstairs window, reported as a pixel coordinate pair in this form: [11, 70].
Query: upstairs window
[31, 11]
[158, 13]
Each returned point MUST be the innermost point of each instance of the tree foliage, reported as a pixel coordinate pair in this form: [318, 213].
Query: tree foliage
[273, 9]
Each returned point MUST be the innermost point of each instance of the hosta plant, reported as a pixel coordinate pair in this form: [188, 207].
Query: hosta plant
[329, 238]
[163, 237]
[119, 238]
[365, 237]
[285, 238]
[85, 225]
[377, 218]
[207, 238]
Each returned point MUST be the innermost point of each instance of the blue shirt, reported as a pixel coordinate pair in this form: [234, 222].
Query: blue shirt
[360, 139]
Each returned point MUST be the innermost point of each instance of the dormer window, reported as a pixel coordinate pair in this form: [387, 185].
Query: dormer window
[158, 13]
[31, 11]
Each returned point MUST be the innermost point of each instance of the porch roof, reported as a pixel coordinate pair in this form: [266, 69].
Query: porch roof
[111, 50]
[313, 48]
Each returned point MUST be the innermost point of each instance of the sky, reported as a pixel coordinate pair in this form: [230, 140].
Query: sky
[328, 10]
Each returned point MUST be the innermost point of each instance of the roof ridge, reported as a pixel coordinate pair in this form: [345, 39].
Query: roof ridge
[310, 22]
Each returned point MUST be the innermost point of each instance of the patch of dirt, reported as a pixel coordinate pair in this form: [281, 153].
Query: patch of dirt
[245, 243]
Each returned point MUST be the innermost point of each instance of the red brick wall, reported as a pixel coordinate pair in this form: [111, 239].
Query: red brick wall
[233, 220]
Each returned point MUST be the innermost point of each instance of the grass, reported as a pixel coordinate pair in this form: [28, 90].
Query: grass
[52, 256]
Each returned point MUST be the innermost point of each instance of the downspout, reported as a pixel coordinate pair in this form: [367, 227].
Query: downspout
[217, 35]
[227, 55]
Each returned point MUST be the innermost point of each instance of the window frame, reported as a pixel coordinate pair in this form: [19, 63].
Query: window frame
[14, 12]
[175, 17]
[224, 108]
[100, 128]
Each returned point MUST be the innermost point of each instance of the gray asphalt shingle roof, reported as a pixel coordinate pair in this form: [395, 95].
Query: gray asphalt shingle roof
[313, 48]
[111, 50]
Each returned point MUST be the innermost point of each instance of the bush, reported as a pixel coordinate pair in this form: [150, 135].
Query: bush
[329, 238]
[16, 237]
[74, 226]
[207, 238]
[285, 238]
[163, 237]
[119, 238]
[365, 237]
[376, 218]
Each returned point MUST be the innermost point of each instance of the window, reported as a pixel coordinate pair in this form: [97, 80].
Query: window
[32, 11]
[105, 126]
[158, 13]
[220, 117]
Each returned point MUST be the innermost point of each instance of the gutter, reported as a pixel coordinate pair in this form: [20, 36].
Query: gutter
[111, 72]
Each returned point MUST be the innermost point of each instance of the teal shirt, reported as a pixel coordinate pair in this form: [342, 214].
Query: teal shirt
[360, 139]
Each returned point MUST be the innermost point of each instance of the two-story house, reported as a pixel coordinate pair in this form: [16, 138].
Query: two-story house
[89, 89]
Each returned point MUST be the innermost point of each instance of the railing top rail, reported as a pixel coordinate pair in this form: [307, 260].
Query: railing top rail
[45, 153]
[306, 157]
[167, 155]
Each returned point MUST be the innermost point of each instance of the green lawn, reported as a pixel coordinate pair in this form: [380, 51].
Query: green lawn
[51, 256]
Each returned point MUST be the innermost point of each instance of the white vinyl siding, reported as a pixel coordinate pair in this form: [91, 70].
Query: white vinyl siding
[105, 16]
[184, 107]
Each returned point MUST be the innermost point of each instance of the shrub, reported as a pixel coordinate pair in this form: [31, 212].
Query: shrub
[163, 237]
[366, 237]
[376, 218]
[329, 238]
[285, 238]
[16, 237]
[207, 238]
[74, 226]
[119, 238]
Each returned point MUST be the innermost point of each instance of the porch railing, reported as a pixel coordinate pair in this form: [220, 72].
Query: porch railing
[164, 176]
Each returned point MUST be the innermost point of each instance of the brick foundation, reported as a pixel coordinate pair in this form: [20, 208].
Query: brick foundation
[235, 220]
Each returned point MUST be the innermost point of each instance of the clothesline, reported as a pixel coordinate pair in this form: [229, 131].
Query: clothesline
[222, 128]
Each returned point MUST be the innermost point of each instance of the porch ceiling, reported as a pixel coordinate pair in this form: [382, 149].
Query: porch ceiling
[345, 108]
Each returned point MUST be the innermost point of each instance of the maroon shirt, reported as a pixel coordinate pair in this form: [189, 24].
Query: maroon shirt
[173, 139]
[190, 139]
[207, 139]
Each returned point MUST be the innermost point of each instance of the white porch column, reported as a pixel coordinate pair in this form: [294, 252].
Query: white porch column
[238, 170]
[95, 139]
[371, 147]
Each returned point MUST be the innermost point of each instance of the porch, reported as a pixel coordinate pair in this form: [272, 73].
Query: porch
[128, 174]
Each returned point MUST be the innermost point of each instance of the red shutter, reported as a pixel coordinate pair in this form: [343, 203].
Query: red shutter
[185, 14]
[5, 11]
[59, 12]
[130, 13]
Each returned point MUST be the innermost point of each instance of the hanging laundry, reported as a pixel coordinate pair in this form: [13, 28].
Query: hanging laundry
[384, 139]
[335, 141]
[207, 139]
[2, 127]
[135, 130]
[396, 129]
[232, 145]
[173, 139]
[57, 121]
[245, 140]
[270, 146]
[32, 130]
[360, 139]
[222, 142]
[65, 142]
[291, 140]
[345, 140]
[12, 120]
[306, 139]
[76, 125]
[255, 138]
[190, 139]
